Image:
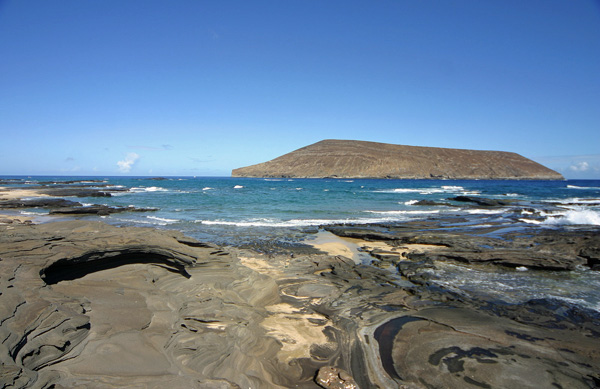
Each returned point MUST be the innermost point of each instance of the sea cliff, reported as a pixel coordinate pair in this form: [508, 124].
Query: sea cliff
[360, 159]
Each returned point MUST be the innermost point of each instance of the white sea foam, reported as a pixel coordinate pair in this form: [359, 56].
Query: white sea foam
[264, 222]
[575, 217]
[484, 211]
[148, 189]
[411, 202]
[403, 212]
[531, 221]
[162, 219]
[238, 187]
[427, 191]
[574, 200]
[207, 188]
[582, 187]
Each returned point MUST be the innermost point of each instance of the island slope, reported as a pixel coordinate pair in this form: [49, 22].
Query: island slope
[360, 159]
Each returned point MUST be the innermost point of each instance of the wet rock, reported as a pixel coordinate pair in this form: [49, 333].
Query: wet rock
[534, 259]
[482, 201]
[430, 203]
[100, 210]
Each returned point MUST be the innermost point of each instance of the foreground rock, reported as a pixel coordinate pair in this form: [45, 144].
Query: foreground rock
[357, 159]
[84, 304]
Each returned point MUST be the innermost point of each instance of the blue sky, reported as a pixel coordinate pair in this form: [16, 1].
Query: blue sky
[135, 87]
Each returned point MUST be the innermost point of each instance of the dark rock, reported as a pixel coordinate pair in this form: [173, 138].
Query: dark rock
[38, 203]
[75, 192]
[430, 203]
[534, 259]
[482, 201]
[100, 210]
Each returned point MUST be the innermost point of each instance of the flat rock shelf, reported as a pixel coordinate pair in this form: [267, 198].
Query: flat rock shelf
[86, 304]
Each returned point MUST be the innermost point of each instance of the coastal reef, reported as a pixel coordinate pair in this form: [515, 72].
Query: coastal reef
[86, 304]
[360, 159]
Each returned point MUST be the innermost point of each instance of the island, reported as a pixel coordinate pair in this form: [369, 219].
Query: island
[360, 159]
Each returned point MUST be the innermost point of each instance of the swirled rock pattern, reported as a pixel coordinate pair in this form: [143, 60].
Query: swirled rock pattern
[85, 304]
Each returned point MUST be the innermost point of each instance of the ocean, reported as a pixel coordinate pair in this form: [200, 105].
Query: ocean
[259, 212]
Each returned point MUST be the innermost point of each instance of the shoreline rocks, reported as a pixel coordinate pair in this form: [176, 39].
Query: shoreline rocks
[552, 249]
[83, 303]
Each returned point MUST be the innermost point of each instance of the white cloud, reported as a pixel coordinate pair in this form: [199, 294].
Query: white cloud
[126, 164]
[580, 167]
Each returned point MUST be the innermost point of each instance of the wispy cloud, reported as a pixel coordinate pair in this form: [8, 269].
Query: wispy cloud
[580, 167]
[574, 166]
[126, 164]
[142, 147]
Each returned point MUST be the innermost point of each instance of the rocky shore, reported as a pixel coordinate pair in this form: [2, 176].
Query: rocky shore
[86, 304]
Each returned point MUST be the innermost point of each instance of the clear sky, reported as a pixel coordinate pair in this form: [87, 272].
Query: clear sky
[111, 87]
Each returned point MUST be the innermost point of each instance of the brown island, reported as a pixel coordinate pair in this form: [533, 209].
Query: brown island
[85, 304]
[360, 159]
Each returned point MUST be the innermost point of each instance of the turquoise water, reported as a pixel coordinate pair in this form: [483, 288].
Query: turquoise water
[242, 211]
[238, 210]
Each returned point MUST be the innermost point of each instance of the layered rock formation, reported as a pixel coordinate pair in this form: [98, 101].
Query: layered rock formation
[358, 159]
[85, 304]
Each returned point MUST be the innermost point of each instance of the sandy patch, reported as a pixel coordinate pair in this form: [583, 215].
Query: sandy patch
[353, 247]
[260, 265]
[297, 332]
[13, 219]
[13, 194]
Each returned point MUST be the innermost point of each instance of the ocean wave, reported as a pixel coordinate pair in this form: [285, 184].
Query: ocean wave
[427, 191]
[411, 202]
[162, 219]
[576, 217]
[573, 200]
[238, 187]
[207, 188]
[484, 211]
[148, 189]
[295, 222]
[403, 212]
[582, 187]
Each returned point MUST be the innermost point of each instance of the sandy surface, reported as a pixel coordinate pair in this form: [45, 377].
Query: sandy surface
[356, 249]
[13, 194]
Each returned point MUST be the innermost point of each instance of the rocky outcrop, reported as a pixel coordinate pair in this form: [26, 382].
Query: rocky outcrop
[85, 304]
[359, 159]
[544, 250]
